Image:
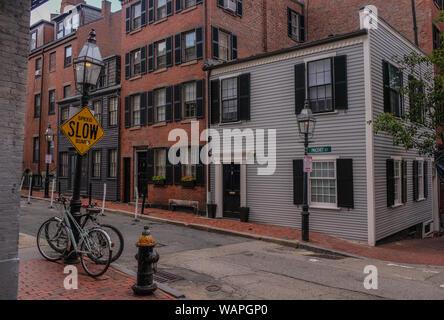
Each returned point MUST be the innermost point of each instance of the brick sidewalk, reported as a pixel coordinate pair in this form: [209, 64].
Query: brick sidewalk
[418, 251]
[43, 280]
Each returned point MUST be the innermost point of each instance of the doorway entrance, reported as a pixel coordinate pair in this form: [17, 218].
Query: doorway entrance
[231, 190]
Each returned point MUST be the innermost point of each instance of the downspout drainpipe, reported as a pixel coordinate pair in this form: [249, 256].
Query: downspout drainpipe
[415, 26]
[207, 94]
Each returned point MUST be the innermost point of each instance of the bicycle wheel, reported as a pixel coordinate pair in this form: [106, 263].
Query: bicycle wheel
[116, 238]
[52, 239]
[96, 252]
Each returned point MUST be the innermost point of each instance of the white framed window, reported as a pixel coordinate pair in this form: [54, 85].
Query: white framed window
[397, 177]
[97, 160]
[63, 164]
[160, 54]
[189, 3]
[64, 115]
[161, 9]
[97, 109]
[33, 44]
[294, 25]
[159, 162]
[189, 48]
[320, 85]
[224, 46]
[420, 179]
[230, 5]
[160, 104]
[189, 94]
[135, 107]
[229, 100]
[323, 184]
[136, 63]
[112, 171]
[113, 104]
[136, 12]
[188, 167]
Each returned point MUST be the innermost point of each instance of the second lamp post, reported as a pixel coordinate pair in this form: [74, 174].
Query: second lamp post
[306, 125]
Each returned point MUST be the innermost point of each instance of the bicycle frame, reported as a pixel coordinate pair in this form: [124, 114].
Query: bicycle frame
[83, 235]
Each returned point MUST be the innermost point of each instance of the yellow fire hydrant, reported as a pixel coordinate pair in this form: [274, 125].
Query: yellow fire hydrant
[146, 257]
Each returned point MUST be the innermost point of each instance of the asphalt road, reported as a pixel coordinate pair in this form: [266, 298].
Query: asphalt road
[216, 266]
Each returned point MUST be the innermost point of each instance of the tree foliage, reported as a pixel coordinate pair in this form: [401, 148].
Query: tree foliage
[420, 126]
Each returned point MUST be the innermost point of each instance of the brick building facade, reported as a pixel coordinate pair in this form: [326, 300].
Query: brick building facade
[165, 45]
[50, 75]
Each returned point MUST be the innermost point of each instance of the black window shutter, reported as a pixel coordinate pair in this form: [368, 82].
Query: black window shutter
[344, 169]
[299, 82]
[178, 6]
[127, 65]
[234, 47]
[143, 13]
[426, 180]
[150, 107]
[151, 57]
[302, 28]
[178, 170]
[390, 174]
[168, 169]
[289, 26]
[143, 109]
[169, 104]
[127, 113]
[220, 3]
[244, 96]
[150, 165]
[239, 8]
[199, 43]
[177, 102]
[415, 181]
[143, 60]
[200, 173]
[150, 11]
[169, 51]
[177, 49]
[386, 80]
[400, 110]
[340, 81]
[169, 7]
[200, 99]
[215, 42]
[128, 20]
[215, 105]
[404, 181]
[298, 181]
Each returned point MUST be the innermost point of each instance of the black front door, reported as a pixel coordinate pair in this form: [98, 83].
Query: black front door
[231, 189]
[126, 179]
[142, 179]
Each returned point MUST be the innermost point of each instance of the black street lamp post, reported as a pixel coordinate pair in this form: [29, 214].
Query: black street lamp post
[87, 68]
[49, 135]
[306, 125]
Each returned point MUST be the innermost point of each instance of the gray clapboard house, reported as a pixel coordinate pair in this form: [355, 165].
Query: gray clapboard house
[101, 163]
[361, 187]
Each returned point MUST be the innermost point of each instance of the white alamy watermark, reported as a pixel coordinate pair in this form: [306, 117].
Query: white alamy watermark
[371, 281]
[246, 146]
[71, 281]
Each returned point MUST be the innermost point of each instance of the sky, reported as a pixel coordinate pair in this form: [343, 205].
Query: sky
[53, 6]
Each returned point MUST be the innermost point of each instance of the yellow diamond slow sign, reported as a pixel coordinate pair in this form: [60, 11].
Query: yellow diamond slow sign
[83, 130]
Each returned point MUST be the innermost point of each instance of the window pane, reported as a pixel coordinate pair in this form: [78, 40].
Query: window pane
[159, 162]
[323, 182]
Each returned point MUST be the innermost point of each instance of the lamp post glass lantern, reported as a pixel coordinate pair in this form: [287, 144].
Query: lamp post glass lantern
[49, 136]
[87, 68]
[306, 125]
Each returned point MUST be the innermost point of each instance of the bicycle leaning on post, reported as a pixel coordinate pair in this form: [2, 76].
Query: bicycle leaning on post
[55, 239]
[116, 237]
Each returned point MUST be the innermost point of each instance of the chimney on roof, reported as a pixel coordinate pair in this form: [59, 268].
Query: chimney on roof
[67, 4]
[106, 8]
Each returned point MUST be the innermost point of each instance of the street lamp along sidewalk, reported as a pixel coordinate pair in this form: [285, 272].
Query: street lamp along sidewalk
[306, 125]
[87, 68]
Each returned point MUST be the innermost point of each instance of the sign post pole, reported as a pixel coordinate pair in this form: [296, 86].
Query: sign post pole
[30, 190]
[103, 201]
[52, 194]
[137, 205]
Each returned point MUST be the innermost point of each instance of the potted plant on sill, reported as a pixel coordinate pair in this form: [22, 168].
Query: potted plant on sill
[188, 181]
[159, 180]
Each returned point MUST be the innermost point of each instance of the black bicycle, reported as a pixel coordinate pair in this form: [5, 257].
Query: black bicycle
[116, 237]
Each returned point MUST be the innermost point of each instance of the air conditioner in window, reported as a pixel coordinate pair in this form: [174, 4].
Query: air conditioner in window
[231, 5]
[37, 73]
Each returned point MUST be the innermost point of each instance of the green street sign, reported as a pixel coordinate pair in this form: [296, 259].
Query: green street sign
[319, 150]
